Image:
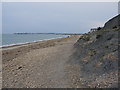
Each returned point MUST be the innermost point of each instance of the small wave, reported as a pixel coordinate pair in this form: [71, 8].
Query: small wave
[17, 44]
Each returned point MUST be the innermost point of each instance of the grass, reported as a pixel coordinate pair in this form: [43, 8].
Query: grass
[85, 37]
[92, 52]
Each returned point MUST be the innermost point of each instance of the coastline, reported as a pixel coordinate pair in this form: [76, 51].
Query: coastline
[39, 64]
[26, 43]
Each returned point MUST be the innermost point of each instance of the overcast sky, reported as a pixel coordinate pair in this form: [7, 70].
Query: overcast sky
[0, 18]
[56, 17]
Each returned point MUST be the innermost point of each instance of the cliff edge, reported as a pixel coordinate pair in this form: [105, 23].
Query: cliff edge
[113, 23]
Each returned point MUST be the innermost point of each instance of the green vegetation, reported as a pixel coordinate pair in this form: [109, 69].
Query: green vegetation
[114, 27]
[92, 52]
[99, 28]
[85, 37]
[98, 36]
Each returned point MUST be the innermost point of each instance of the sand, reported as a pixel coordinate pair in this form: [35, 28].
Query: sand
[43, 64]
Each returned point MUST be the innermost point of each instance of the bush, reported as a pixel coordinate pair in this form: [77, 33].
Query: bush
[114, 27]
[98, 36]
[99, 28]
[92, 52]
[85, 37]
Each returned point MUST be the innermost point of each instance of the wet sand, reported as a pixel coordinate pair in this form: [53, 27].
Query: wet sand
[41, 64]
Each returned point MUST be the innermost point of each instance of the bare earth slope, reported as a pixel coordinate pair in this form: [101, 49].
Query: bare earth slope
[45, 66]
[97, 55]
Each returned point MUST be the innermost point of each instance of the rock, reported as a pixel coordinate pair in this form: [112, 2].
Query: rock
[112, 23]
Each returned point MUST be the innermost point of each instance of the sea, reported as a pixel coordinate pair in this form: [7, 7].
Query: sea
[13, 39]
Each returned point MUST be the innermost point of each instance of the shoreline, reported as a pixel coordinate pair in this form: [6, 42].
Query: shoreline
[27, 43]
[41, 64]
[34, 42]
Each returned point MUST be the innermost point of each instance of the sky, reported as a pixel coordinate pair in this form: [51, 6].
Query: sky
[0, 17]
[59, 0]
[57, 17]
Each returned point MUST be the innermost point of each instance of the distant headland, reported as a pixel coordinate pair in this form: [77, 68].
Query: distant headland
[53, 33]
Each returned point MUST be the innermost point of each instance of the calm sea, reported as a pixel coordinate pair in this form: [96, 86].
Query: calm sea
[11, 39]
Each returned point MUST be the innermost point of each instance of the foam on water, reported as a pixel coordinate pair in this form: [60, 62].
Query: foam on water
[6, 43]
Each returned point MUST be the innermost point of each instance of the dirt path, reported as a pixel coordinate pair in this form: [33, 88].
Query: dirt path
[43, 68]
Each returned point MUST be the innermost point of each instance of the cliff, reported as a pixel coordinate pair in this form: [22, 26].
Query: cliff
[112, 23]
[97, 55]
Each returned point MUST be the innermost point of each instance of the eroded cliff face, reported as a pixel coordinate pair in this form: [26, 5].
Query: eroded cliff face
[112, 23]
[97, 55]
